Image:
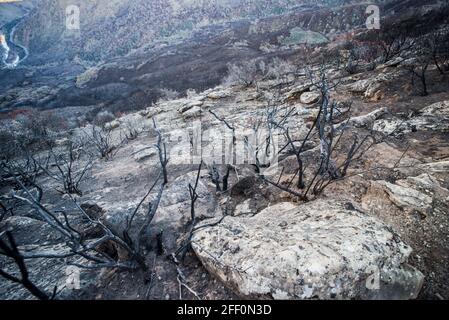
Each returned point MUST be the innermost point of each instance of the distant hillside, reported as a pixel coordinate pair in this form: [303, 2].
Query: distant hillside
[127, 51]
[111, 28]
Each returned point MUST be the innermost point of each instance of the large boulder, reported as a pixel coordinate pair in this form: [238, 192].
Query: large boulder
[392, 63]
[359, 86]
[150, 112]
[325, 249]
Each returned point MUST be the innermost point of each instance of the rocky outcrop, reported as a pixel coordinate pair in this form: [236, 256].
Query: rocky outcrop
[188, 106]
[297, 91]
[364, 120]
[218, 94]
[143, 153]
[310, 97]
[369, 88]
[325, 249]
[83, 79]
[426, 183]
[194, 112]
[439, 109]
[436, 167]
[406, 197]
[431, 118]
[393, 63]
[150, 112]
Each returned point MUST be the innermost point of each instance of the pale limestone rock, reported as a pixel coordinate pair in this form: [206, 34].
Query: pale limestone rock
[143, 153]
[439, 109]
[406, 197]
[434, 117]
[192, 113]
[394, 125]
[392, 63]
[35, 236]
[426, 183]
[372, 90]
[112, 125]
[219, 94]
[420, 123]
[150, 112]
[324, 249]
[243, 208]
[369, 87]
[189, 106]
[436, 167]
[30, 231]
[310, 97]
[364, 120]
[62, 142]
[359, 86]
[297, 91]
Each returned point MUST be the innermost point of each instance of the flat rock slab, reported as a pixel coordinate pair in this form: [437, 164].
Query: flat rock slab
[325, 249]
